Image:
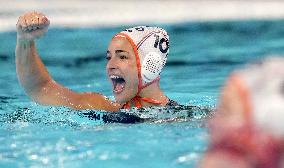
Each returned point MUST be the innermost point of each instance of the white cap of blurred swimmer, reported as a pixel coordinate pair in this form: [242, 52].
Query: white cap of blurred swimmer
[265, 84]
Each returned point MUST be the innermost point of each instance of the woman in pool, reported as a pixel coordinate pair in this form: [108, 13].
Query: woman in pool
[135, 57]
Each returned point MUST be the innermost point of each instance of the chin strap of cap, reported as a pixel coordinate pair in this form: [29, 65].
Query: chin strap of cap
[137, 99]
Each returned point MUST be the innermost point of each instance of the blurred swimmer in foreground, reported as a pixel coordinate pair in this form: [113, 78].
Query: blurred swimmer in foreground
[135, 58]
[248, 129]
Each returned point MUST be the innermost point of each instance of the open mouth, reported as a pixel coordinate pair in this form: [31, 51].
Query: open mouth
[118, 83]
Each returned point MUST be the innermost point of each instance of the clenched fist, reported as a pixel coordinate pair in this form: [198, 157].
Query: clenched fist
[32, 25]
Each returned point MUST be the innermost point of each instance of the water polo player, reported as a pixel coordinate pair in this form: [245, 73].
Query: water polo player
[135, 57]
[247, 130]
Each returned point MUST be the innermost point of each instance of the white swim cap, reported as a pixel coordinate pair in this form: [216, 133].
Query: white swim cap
[264, 83]
[151, 47]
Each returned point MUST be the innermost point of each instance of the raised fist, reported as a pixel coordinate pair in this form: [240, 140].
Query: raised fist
[32, 25]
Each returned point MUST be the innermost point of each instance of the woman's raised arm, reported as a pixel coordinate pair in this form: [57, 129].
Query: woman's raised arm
[34, 77]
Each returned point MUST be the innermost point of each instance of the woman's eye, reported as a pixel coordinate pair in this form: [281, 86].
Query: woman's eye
[122, 57]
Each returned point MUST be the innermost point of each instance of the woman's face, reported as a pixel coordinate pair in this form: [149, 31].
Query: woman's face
[122, 69]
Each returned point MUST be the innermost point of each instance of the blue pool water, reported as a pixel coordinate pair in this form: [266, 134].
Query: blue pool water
[202, 54]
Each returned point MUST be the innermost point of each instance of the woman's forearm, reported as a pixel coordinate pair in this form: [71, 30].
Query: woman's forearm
[31, 72]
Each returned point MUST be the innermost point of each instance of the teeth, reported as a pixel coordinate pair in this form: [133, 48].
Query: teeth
[114, 77]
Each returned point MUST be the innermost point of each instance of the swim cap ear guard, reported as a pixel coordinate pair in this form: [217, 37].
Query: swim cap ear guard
[151, 67]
